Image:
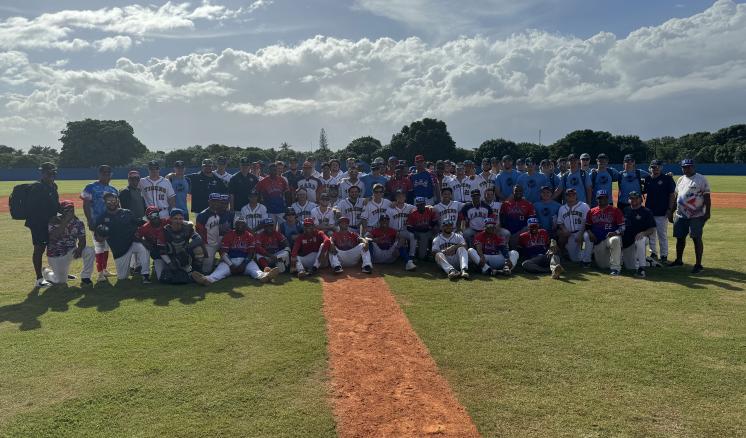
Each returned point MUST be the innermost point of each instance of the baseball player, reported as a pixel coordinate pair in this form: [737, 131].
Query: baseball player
[220, 171]
[183, 250]
[505, 180]
[546, 211]
[327, 179]
[631, 179]
[473, 214]
[310, 249]
[273, 248]
[420, 223]
[531, 182]
[577, 178]
[237, 253]
[93, 208]
[489, 199]
[386, 245]
[450, 252]
[350, 181]
[571, 218]
[118, 227]
[157, 190]
[473, 180]
[291, 228]
[398, 213]
[399, 182]
[694, 206]
[490, 251]
[606, 225]
[212, 224]
[639, 226]
[458, 185]
[424, 183]
[323, 215]
[375, 207]
[447, 209]
[310, 183]
[152, 237]
[302, 206]
[541, 254]
[254, 212]
[348, 248]
[514, 214]
[67, 242]
[602, 177]
[660, 199]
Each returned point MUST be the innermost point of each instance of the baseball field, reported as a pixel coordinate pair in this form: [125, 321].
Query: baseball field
[395, 353]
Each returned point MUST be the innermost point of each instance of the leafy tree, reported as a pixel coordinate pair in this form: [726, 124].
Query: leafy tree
[429, 137]
[89, 142]
[362, 148]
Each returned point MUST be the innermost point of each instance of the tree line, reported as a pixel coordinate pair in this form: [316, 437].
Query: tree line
[86, 142]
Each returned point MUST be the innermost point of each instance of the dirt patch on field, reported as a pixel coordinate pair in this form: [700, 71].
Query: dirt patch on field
[728, 200]
[75, 197]
[385, 383]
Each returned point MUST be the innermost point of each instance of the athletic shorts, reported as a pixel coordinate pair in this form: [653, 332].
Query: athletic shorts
[39, 233]
[683, 226]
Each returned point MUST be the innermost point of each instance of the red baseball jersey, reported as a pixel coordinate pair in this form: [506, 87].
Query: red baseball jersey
[604, 221]
[514, 214]
[154, 235]
[422, 221]
[270, 242]
[305, 244]
[345, 240]
[534, 244]
[491, 243]
[384, 238]
[238, 245]
[403, 184]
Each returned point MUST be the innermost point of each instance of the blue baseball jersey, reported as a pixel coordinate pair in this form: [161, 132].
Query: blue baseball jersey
[532, 185]
[505, 181]
[579, 180]
[628, 182]
[181, 189]
[94, 192]
[546, 212]
[602, 180]
[422, 184]
[369, 180]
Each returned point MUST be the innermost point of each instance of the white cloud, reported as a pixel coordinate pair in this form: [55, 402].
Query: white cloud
[56, 30]
[685, 74]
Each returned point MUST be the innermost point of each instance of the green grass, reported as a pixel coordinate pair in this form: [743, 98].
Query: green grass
[719, 184]
[233, 359]
[592, 355]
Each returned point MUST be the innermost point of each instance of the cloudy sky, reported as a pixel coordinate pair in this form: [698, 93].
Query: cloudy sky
[260, 72]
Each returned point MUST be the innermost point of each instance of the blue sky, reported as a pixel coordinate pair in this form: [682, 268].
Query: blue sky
[260, 72]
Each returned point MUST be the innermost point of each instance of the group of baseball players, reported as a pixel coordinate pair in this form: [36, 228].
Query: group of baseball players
[301, 217]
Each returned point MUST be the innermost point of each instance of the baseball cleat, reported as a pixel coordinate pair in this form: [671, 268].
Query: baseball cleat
[410, 266]
[338, 269]
[640, 273]
[494, 272]
[199, 278]
[663, 260]
[72, 277]
[314, 269]
[465, 274]
[42, 283]
[557, 271]
[146, 279]
[453, 274]
[101, 277]
[676, 262]
[697, 269]
[86, 281]
[367, 269]
[614, 273]
[272, 273]
[506, 271]
[654, 256]
[302, 274]
[106, 273]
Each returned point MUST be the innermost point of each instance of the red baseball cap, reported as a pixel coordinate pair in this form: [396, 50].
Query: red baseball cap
[308, 221]
[66, 203]
[419, 158]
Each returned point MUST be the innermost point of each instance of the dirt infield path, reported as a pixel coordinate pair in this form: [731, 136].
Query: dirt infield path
[384, 381]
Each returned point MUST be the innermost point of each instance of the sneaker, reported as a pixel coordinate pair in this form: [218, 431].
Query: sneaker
[106, 273]
[367, 269]
[453, 274]
[101, 277]
[493, 272]
[338, 269]
[676, 262]
[72, 277]
[40, 282]
[506, 271]
[614, 273]
[654, 256]
[146, 279]
[314, 269]
[640, 273]
[199, 278]
[272, 273]
[465, 274]
[410, 266]
[697, 269]
[663, 260]
[86, 281]
[557, 271]
[45, 272]
[302, 274]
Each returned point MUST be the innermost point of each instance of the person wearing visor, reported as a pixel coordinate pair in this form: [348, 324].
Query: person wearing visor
[67, 243]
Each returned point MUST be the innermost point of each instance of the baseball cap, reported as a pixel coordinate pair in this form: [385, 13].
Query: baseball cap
[544, 162]
[533, 221]
[325, 195]
[175, 211]
[308, 221]
[154, 163]
[602, 156]
[253, 193]
[585, 156]
[633, 194]
[485, 160]
[213, 197]
[507, 158]
[546, 188]
[493, 160]
[268, 221]
[222, 160]
[104, 168]
[520, 161]
[133, 173]
[570, 190]
[344, 218]
[207, 162]
[419, 200]
[110, 195]
[656, 163]
[446, 189]
[66, 203]
[307, 165]
[601, 193]
[475, 192]
[378, 160]
[225, 198]
[490, 221]
[47, 166]
[244, 161]
[239, 219]
[529, 161]
[179, 163]
[393, 158]
[468, 163]
[687, 162]
[419, 158]
[572, 157]
[629, 157]
[151, 210]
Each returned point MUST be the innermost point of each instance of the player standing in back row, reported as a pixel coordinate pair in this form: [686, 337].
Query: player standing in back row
[157, 190]
[693, 210]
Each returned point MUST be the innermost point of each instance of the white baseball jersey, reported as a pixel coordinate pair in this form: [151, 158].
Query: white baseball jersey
[460, 188]
[226, 177]
[573, 218]
[323, 217]
[690, 196]
[156, 192]
[303, 211]
[254, 215]
[373, 210]
[495, 205]
[476, 182]
[398, 215]
[449, 211]
[311, 185]
[345, 185]
[442, 242]
[345, 207]
[332, 181]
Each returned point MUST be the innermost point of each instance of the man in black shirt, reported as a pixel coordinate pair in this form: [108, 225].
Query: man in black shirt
[639, 226]
[119, 226]
[660, 199]
[43, 203]
[293, 174]
[130, 197]
[241, 184]
[201, 184]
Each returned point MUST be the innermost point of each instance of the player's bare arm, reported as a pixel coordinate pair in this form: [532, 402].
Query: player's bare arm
[708, 206]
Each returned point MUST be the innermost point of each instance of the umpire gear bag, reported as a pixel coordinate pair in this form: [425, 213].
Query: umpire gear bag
[18, 201]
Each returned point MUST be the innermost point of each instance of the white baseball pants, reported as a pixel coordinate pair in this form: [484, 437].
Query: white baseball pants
[209, 262]
[608, 253]
[123, 262]
[385, 256]
[660, 236]
[304, 263]
[350, 257]
[578, 254]
[634, 256]
[460, 260]
[59, 267]
[493, 261]
[283, 259]
[406, 234]
[100, 247]
[224, 271]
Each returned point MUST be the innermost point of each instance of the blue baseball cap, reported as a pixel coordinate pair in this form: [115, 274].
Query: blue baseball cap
[419, 200]
[225, 198]
[601, 193]
[687, 162]
[214, 197]
[533, 221]
[267, 221]
[175, 211]
[447, 222]
[490, 221]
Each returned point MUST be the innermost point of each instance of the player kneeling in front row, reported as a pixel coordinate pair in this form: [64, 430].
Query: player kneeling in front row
[490, 251]
[348, 248]
[639, 227]
[236, 257]
[310, 249]
[183, 250]
[450, 252]
[272, 248]
[605, 224]
[65, 230]
[541, 254]
[387, 244]
[118, 227]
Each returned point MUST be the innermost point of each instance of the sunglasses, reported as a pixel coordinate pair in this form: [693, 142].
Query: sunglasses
[377, 191]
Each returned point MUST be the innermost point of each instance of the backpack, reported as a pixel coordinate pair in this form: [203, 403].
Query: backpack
[638, 174]
[18, 201]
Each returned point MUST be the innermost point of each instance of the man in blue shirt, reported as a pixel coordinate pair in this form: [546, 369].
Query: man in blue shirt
[660, 200]
[181, 187]
[576, 178]
[547, 169]
[94, 208]
[506, 179]
[546, 211]
[602, 177]
[531, 182]
[423, 182]
[630, 180]
[373, 178]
